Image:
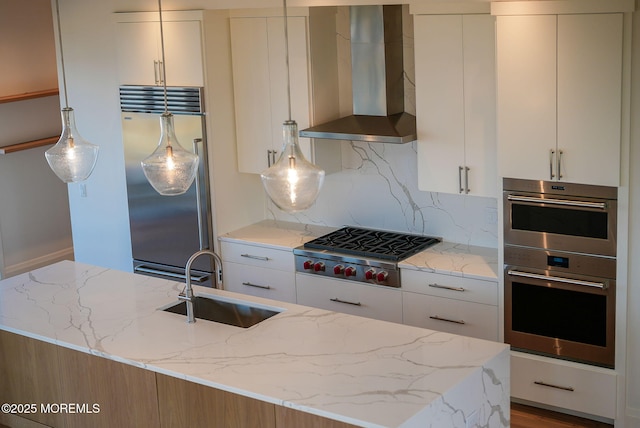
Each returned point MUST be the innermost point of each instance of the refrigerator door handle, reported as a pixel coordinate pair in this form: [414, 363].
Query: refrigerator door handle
[201, 236]
[194, 278]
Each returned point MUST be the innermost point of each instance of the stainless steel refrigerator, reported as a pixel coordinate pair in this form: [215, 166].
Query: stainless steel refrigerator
[166, 230]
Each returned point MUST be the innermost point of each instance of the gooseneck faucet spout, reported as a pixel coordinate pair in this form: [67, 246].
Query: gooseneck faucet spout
[187, 295]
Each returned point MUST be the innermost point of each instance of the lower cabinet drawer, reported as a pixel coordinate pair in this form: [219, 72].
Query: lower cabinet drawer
[451, 316]
[350, 297]
[564, 384]
[260, 282]
[254, 255]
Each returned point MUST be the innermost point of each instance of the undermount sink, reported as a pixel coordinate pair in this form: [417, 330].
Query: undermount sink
[236, 313]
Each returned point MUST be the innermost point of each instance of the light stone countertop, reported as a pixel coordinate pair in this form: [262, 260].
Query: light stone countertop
[356, 370]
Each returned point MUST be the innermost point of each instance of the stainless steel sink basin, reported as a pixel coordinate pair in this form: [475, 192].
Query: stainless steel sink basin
[239, 314]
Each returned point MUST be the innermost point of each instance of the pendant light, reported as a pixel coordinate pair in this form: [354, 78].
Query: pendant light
[292, 183]
[72, 158]
[170, 169]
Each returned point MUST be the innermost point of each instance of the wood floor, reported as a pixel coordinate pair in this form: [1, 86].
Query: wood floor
[530, 417]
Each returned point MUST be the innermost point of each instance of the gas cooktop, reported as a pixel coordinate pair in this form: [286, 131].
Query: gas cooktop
[369, 243]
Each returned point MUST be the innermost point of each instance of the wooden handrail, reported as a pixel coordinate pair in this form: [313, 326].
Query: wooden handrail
[29, 95]
[28, 145]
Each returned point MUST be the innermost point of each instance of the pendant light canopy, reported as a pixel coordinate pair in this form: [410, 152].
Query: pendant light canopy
[72, 158]
[170, 169]
[292, 183]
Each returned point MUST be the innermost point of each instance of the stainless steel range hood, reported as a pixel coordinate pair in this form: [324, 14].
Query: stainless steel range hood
[377, 71]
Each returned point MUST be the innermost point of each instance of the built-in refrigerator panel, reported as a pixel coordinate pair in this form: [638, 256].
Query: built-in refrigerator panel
[165, 230]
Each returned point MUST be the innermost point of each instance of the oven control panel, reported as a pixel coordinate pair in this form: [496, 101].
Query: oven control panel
[367, 272]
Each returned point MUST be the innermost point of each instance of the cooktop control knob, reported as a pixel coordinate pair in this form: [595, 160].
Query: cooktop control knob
[382, 276]
[369, 274]
[308, 264]
[338, 270]
[350, 271]
[319, 266]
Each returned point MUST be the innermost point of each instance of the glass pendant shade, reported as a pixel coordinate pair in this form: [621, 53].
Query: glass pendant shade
[170, 168]
[72, 158]
[292, 183]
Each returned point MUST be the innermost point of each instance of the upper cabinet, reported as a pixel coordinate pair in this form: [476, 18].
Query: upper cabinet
[559, 92]
[140, 49]
[455, 100]
[261, 87]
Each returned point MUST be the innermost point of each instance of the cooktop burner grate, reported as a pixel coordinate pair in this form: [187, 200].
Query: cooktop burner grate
[379, 244]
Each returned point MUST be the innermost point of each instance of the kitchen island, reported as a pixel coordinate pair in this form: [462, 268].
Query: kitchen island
[333, 366]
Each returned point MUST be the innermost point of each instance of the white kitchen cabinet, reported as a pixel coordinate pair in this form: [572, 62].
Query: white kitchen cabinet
[259, 271]
[578, 387]
[455, 103]
[559, 86]
[140, 54]
[260, 86]
[371, 301]
[451, 304]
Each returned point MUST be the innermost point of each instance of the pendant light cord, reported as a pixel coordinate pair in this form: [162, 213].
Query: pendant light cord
[64, 77]
[286, 56]
[164, 69]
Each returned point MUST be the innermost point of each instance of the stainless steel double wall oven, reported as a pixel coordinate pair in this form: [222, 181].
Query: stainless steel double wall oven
[560, 269]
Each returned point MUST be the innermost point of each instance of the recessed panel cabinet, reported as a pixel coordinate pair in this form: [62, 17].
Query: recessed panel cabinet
[559, 86]
[140, 49]
[455, 103]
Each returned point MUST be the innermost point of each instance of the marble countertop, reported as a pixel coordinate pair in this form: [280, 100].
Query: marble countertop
[445, 258]
[356, 370]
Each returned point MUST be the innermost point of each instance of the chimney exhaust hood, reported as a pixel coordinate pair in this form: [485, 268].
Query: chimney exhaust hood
[377, 75]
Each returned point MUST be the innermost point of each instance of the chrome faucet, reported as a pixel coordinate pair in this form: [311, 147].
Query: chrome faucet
[187, 295]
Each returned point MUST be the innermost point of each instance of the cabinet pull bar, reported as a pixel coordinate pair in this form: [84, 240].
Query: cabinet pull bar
[460, 180]
[269, 158]
[250, 256]
[601, 285]
[560, 153]
[565, 202]
[155, 72]
[466, 179]
[437, 318]
[447, 287]
[249, 284]
[551, 155]
[335, 299]
[550, 385]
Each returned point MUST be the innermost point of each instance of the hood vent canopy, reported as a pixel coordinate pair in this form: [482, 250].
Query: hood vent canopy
[377, 74]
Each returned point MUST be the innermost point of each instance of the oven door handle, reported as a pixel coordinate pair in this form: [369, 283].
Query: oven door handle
[565, 202]
[601, 285]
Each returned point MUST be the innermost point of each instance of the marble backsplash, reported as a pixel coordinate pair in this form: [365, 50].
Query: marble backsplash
[378, 188]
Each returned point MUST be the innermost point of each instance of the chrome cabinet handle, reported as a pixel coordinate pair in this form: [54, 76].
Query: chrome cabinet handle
[437, 318]
[601, 285]
[460, 180]
[466, 179]
[560, 153]
[565, 202]
[249, 284]
[335, 299]
[447, 287]
[550, 385]
[269, 158]
[155, 72]
[551, 156]
[250, 256]
[160, 72]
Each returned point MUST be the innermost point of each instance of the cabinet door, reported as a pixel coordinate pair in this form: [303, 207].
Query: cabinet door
[138, 53]
[589, 97]
[183, 53]
[526, 100]
[268, 283]
[455, 101]
[439, 101]
[260, 86]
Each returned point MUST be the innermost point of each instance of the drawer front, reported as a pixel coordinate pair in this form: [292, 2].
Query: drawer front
[260, 282]
[452, 287]
[563, 384]
[349, 297]
[253, 255]
[451, 316]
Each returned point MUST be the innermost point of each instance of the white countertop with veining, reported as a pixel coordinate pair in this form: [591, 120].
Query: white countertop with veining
[445, 258]
[357, 370]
